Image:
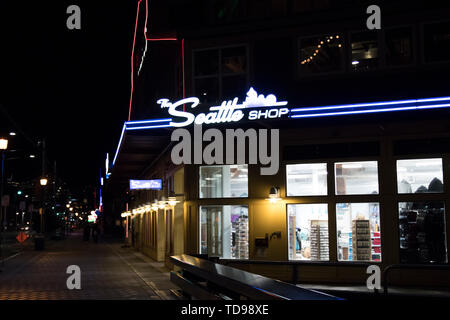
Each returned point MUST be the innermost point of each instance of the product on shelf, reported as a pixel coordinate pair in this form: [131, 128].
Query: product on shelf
[240, 243]
[361, 240]
[319, 240]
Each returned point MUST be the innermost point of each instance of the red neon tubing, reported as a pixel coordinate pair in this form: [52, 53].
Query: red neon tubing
[150, 39]
[132, 60]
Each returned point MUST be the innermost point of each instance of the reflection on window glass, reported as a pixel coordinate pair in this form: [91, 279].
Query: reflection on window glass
[364, 51]
[422, 232]
[307, 179]
[308, 232]
[234, 86]
[420, 176]
[234, 60]
[321, 54]
[356, 177]
[207, 89]
[228, 181]
[206, 62]
[358, 231]
[220, 74]
[437, 42]
[224, 231]
[399, 46]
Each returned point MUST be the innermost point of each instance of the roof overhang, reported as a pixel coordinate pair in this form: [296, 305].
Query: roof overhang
[140, 145]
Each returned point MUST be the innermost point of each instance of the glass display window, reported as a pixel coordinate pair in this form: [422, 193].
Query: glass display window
[308, 179]
[224, 231]
[308, 232]
[420, 176]
[358, 231]
[353, 178]
[422, 232]
[227, 181]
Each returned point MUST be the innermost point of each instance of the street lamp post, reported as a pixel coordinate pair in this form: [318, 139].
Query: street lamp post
[3, 147]
[40, 239]
[43, 183]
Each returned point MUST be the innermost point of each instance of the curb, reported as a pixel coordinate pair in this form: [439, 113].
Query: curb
[10, 257]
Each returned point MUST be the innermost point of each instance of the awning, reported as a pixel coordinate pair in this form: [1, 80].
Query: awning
[137, 150]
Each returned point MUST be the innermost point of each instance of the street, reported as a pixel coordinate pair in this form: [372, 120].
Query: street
[108, 271]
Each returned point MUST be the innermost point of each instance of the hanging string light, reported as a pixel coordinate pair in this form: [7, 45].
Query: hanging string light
[328, 39]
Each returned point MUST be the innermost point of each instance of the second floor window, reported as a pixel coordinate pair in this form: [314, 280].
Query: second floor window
[323, 54]
[437, 42]
[220, 73]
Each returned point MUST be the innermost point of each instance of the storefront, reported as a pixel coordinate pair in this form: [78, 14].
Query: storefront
[353, 189]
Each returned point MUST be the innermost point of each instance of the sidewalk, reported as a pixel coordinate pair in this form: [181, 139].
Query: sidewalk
[108, 272]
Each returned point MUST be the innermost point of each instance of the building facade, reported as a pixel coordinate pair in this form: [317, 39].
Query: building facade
[363, 149]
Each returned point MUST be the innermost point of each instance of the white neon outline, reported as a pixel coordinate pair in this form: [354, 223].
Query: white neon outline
[150, 127]
[149, 121]
[120, 143]
[436, 106]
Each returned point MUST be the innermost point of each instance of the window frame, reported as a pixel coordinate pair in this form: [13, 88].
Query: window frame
[305, 162]
[223, 198]
[199, 224]
[381, 232]
[287, 232]
[422, 44]
[220, 75]
[332, 199]
[414, 45]
[381, 52]
[352, 161]
[422, 157]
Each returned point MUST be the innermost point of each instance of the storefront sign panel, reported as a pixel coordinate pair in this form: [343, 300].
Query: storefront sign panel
[155, 184]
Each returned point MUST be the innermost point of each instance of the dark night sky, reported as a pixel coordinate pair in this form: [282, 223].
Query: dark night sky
[70, 86]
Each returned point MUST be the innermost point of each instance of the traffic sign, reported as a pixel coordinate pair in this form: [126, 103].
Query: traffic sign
[21, 237]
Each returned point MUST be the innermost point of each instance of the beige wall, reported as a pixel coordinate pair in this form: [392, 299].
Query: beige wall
[266, 218]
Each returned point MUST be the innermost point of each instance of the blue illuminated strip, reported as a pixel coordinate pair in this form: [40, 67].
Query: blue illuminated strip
[375, 104]
[311, 112]
[326, 114]
[120, 142]
[149, 121]
[148, 124]
[134, 125]
[150, 127]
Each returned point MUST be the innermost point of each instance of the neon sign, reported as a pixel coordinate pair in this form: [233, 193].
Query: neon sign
[155, 184]
[228, 111]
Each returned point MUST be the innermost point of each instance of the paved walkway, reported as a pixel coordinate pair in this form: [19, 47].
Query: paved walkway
[108, 271]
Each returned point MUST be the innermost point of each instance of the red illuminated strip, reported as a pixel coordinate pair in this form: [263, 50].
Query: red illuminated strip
[150, 39]
[161, 39]
[182, 62]
[132, 60]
